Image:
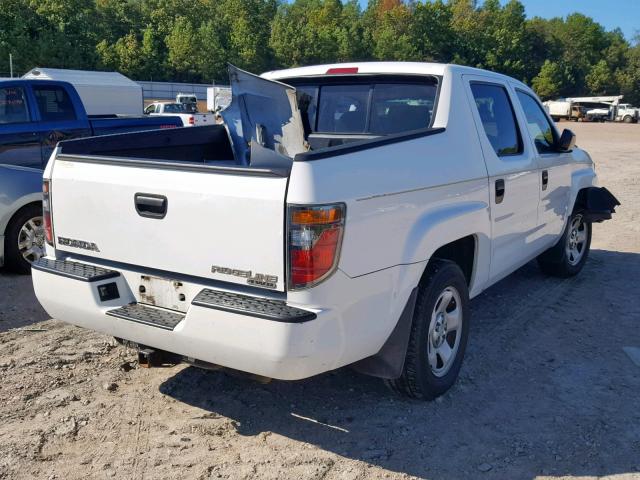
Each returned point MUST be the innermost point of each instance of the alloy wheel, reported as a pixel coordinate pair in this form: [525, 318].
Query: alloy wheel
[445, 330]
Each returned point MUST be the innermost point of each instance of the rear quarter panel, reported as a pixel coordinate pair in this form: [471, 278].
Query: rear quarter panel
[404, 200]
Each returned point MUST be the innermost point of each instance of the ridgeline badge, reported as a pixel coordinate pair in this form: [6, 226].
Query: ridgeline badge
[258, 279]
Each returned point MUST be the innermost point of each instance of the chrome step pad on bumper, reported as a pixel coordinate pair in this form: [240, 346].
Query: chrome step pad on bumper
[155, 317]
[276, 310]
[75, 270]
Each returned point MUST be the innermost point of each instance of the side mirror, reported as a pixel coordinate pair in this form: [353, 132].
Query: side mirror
[567, 140]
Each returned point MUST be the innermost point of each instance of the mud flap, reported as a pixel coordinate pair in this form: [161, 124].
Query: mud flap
[389, 361]
[597, 204]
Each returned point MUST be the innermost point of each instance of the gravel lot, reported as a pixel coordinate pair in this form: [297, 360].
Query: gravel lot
[546, 390]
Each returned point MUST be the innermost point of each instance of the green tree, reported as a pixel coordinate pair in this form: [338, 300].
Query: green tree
[600, 79]
[249, 29]
[432, 31]
[212, 56]
[182, 48]
[192, 40]
[123, 56]
[316, 31]
[628, 78]
[551, 80]
[392, 33]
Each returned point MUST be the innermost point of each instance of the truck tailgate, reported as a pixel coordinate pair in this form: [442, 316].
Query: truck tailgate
[222, 226]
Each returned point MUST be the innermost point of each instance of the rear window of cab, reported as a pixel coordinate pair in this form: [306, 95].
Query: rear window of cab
[367, 107]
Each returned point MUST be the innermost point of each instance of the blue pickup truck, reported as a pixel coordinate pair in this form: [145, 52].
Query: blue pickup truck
[34, 116]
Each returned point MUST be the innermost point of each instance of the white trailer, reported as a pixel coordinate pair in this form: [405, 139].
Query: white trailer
[218, 98]
[102, 93]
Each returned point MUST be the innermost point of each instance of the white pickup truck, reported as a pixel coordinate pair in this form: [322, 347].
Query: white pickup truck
[344, 215]
[182, 110]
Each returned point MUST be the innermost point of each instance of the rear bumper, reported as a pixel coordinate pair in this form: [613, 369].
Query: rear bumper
[299, 344]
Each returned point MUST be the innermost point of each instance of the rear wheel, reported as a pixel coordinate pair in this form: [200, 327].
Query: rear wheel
[24, 239]
[438, 334]
[569, 255]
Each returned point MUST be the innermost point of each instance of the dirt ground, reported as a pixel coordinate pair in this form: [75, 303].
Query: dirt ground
[546, 390]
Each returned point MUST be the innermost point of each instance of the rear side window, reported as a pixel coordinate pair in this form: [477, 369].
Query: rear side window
[498, 118]
[54, 104]
[367, 108]
[538, 125]
[13, 106]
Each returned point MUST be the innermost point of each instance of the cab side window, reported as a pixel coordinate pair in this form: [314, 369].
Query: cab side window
[54, 104]
[13, 106]
[539, 127]
[498, 118]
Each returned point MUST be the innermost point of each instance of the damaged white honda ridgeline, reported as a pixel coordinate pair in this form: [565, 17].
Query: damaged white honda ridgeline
[343, 215]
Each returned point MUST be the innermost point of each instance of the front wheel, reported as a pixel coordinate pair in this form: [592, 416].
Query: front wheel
[568, 256]
[439, 333]
[24, 239]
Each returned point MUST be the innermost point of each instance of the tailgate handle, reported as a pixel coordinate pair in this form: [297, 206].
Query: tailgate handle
[150, 205]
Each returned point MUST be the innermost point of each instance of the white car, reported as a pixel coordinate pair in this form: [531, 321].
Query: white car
[182, 110]
[344, 215]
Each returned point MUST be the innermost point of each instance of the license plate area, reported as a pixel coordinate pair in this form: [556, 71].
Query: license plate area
[163, 293]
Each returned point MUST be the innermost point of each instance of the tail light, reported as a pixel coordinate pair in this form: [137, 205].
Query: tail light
[315, 237]
[46, 212]
[192, 120]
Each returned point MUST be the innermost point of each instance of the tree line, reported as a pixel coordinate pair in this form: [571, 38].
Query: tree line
[193, 40]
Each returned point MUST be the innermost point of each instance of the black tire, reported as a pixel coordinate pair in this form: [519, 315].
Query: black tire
[418, 379]
[14, 260]
[627, 119]
[556, 261]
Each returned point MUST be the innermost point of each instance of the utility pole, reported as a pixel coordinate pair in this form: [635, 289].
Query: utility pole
[11, 64]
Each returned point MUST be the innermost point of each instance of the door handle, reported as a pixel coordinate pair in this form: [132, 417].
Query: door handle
[150, 205]
[499, 190]
[545, 179]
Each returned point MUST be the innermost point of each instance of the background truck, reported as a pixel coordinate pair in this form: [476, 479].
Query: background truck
[627, 114]
[604, 108]
[341, 217]
[34, 116]
[565, 110]
[623, 112]
[189, 100]
[182, 110]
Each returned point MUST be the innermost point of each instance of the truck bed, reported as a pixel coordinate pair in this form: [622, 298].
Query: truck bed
[203, 145]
